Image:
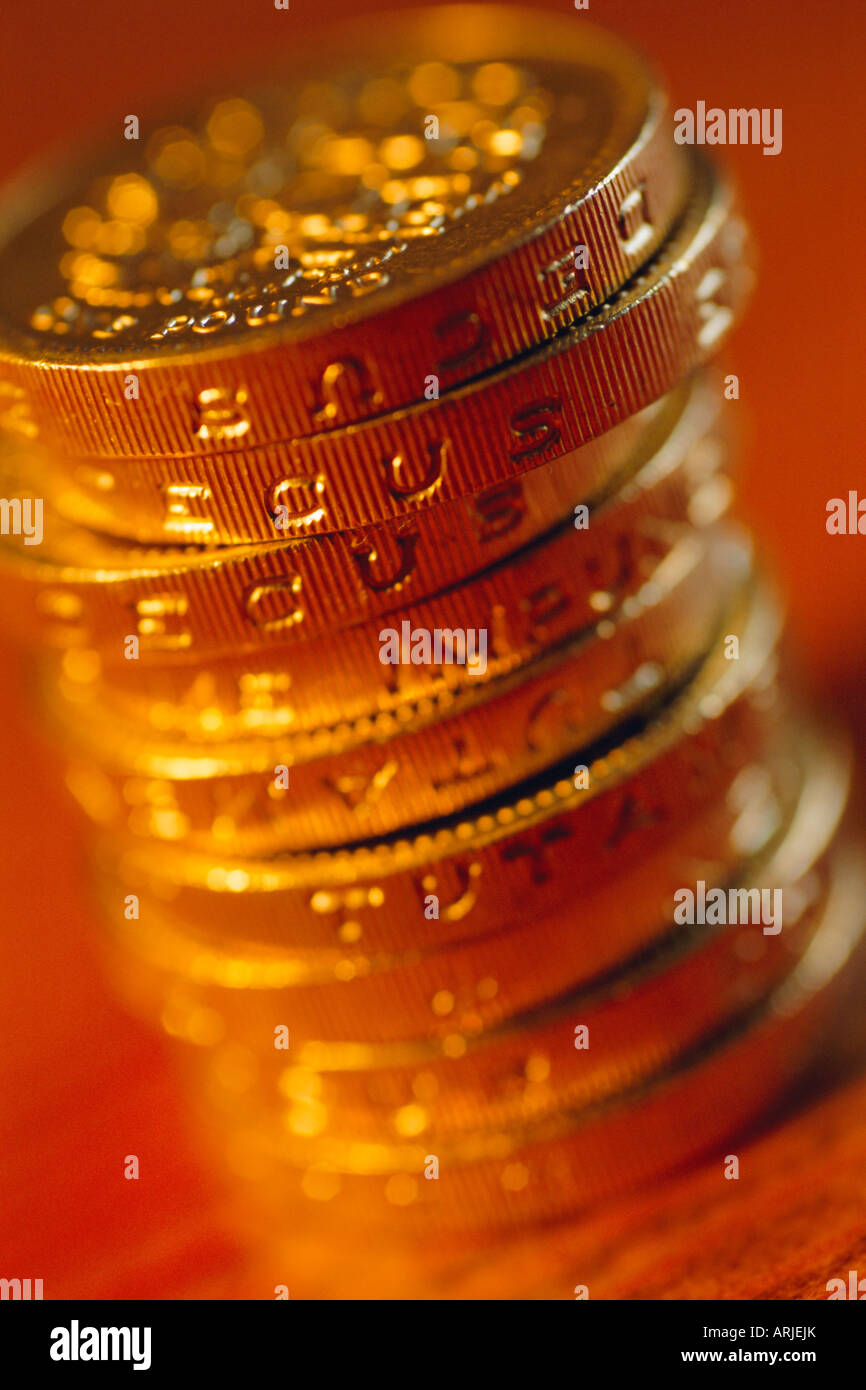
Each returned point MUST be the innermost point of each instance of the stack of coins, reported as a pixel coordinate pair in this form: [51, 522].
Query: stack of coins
[448, 801]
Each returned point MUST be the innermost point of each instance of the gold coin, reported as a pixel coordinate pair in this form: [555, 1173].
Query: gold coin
[428, 181]
[259, 798]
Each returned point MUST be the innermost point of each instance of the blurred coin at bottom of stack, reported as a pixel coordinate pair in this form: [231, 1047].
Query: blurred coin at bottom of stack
[572, 1160]
[642, 1013]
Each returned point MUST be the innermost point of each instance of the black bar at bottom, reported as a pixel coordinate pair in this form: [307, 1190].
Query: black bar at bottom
[245, 1339]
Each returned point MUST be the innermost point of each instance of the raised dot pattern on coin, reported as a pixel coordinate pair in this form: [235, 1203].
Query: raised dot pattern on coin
[505, 423]
[345, 194]
[308, 203]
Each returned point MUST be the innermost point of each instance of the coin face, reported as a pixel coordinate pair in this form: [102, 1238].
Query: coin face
[416, 155]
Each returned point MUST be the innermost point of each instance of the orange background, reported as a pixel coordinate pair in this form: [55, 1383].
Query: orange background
[80, 1085]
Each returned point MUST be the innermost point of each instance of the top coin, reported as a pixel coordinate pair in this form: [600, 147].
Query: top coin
[458, 185]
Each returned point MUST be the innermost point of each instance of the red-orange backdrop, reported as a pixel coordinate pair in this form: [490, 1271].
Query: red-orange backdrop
[80, 1085]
